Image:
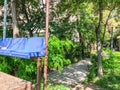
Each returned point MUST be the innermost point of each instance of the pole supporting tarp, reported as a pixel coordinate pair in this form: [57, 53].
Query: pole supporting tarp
[46, 39]
[5, 19]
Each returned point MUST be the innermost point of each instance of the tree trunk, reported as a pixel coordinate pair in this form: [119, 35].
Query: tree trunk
[31, 33]
[111, 40]
[14, 19]
[27, 17]
[99, 49]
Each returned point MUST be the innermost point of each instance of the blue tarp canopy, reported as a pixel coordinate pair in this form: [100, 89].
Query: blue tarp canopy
[23, 47]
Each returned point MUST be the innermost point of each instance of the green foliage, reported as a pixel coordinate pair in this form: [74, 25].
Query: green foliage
[57, 87]
[1, 30]
[4, 65]
[60, 47]
[2, 2]
[22, 68]
[111, 69]
[93, 68]
[57, 50]
[111, 63]
[109, 82]
[83, 22]
[26, 69]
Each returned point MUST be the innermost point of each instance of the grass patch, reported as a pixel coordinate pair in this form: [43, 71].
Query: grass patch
[109, 82]
[57, 87]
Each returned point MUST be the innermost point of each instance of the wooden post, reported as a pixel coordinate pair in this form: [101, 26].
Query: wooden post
[46, 43]
[39, 73]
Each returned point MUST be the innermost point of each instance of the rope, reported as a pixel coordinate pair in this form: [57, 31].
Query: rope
[5, 19]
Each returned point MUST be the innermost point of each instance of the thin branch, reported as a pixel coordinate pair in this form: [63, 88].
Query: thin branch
[105, 25]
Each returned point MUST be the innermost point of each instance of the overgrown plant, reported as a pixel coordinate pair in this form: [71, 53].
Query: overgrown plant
[57, 51]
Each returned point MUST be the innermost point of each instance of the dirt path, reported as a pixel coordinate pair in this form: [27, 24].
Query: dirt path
[73, 76]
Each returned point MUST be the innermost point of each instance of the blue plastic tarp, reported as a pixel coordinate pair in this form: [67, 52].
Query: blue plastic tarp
[23, 47]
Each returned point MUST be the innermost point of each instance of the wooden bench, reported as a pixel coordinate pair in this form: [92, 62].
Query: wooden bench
[9, 82]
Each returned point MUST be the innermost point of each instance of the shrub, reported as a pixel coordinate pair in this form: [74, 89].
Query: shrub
[57, 52]
[93, 68]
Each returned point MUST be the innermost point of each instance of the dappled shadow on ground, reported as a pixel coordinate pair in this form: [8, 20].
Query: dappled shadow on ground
[110, 82]
[89, 86]
[71, 75]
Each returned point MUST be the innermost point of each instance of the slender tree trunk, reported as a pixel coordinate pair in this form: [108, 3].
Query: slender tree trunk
[107, 23]
[14, 19]
[25, 11]
[99, 49]
[27, 18]
[111, 40]
[31, 33]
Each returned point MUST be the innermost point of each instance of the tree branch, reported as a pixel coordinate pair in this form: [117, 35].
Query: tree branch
[105, 25]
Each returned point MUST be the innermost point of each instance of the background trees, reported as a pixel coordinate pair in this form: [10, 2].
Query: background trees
[76, 27]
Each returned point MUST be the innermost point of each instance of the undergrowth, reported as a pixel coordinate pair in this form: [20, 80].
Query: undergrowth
[111, 70]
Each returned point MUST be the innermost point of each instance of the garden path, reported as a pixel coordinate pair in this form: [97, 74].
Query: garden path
[71, 75]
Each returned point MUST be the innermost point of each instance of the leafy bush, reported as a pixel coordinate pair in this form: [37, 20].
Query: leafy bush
[22, 68]
[57, 52]
[111, 65]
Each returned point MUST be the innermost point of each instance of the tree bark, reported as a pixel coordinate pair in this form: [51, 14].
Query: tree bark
[99, 49]
[111, 40]
[14, 19]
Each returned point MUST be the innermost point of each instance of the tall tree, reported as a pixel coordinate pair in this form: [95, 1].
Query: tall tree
[14, 19]
[98, 33]
[103, 5]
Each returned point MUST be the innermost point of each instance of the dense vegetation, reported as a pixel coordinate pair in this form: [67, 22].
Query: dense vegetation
[111, 69]
[77, 29]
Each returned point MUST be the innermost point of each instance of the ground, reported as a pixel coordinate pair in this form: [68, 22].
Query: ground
[89, 86]
[73, 76]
